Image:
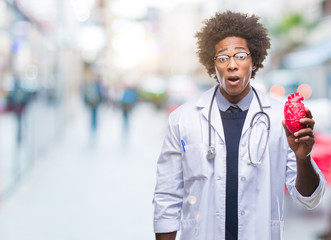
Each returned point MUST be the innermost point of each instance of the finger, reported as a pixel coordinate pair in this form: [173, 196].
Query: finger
[307, 138]
[308, 112]
[285, 128]
[308, 121]
[310, 141]
[304, 132]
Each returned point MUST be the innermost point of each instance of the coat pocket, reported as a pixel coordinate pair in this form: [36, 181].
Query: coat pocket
[195, 163]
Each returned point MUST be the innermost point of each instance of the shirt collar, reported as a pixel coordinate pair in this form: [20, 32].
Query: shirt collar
[224, 104]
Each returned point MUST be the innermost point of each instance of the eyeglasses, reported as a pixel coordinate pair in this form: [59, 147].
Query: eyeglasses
[239, 58]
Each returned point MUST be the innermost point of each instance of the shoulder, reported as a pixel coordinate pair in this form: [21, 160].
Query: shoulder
[269, 101]
[275, 103]
[192, 108]
[187, 109]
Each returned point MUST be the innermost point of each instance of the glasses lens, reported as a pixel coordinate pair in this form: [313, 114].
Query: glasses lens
[223, 58]
[240, 56]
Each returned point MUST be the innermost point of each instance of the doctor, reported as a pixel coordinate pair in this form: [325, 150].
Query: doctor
[235, 191]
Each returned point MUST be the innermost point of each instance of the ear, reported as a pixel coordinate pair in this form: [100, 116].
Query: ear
[254, 67]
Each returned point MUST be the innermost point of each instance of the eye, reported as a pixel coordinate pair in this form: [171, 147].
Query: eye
[240, 56]
[223, 58]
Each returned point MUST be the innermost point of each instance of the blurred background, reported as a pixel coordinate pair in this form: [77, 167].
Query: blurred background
[86, 88]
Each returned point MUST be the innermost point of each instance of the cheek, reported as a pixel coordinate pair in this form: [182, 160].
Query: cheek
[249, 73]
[248, 76]
[220, 77]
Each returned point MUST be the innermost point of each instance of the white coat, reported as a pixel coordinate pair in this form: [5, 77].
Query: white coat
[190, 190]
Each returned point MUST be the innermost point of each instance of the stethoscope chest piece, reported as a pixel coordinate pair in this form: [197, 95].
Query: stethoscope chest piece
[211, 153]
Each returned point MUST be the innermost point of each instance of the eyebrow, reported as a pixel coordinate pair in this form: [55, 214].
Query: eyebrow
[224, 49]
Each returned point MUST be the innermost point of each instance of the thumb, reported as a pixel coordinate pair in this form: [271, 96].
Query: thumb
[285, 128]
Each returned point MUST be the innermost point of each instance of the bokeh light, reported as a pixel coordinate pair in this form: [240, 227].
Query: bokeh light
[192, 200]
[197, 216]
[305, 90]
[277, 91]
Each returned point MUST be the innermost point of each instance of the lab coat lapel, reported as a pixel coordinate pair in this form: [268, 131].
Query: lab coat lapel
[204, 104]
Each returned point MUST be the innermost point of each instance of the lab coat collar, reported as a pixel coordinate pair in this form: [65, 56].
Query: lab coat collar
[216, 121]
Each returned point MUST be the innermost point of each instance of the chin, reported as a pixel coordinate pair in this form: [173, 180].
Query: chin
[234, 93]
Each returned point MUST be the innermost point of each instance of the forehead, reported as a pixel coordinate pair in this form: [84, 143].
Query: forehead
[231, 44]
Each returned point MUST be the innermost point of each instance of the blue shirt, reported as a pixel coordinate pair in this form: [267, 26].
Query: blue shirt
[224, 104]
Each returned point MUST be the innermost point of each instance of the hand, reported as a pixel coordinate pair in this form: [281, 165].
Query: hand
[302, 141]
[166, 236]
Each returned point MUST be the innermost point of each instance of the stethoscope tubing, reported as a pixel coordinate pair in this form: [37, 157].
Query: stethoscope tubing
[211, 153]
[211, 150]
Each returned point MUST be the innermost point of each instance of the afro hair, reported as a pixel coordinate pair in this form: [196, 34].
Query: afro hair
[231, 24]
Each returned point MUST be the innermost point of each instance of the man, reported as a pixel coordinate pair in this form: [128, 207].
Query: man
[225, 179]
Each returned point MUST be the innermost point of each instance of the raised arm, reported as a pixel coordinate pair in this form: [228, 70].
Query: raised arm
[302, 143]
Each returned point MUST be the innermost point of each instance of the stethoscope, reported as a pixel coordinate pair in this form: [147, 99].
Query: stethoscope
[211, 153]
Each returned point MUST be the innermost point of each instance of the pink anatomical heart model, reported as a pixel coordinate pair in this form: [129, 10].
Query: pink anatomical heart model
[294, 110]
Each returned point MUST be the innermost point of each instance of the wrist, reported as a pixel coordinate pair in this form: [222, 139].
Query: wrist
[306, 158]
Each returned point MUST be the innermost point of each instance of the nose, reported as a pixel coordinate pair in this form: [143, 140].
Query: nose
[232, 65]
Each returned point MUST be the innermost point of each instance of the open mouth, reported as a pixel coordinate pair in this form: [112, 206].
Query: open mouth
[233, 78]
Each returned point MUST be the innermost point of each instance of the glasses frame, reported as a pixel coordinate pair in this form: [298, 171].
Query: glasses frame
[228, 61]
